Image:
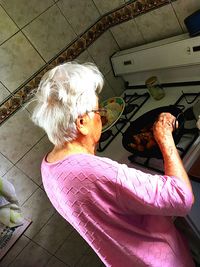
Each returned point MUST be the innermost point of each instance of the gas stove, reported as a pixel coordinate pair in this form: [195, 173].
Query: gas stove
[139, 102]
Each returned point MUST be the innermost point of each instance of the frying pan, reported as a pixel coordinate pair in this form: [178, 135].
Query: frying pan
[146, 121]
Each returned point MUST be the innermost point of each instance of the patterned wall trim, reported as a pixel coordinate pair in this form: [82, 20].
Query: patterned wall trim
[126, 12]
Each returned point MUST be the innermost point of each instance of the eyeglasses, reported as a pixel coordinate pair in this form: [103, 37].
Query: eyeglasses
[101, 111]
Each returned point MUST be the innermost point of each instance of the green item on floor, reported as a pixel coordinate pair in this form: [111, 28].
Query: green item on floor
[10, 211]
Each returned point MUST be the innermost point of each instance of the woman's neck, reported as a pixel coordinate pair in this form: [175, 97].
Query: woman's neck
[74, 147]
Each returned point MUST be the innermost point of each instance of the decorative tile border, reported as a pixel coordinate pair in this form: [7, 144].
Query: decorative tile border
[126, 12]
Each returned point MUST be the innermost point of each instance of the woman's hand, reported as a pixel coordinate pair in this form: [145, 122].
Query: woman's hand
[163, 128]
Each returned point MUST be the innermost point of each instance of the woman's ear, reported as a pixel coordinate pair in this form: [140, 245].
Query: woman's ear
[82, 125]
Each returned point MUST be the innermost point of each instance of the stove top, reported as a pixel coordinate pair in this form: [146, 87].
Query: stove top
[111, 141]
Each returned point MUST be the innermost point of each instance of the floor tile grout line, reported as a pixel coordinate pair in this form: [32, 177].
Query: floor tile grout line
[57, 259]
[30, 42]
[30, 240]
[73, 230]
[62, 13]
[20, 28]
[19, 251]
[44, 223]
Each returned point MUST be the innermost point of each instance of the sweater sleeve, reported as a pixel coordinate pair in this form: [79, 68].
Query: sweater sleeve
[151, 194]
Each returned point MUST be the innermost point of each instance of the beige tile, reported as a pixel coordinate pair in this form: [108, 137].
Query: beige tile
[39, 209]
[184, 9]
[158, 24]
[116, 83]
[30, 105]
[17, 135]
[90, 259]
[54, 233]
[18, 61]
[101, 51]
[49, 33]
[31, 162]
[22, 11]
[105, 6]
[54, 262]
[74, 10]
[32, 256]
[127, 35]
[72, 250]
[21, 243]
[106, 92]
[23, 185]
[7, 26]
[5, 165]
[84, 57]
[3, 93]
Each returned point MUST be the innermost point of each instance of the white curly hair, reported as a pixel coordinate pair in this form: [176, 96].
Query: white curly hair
[64, 93]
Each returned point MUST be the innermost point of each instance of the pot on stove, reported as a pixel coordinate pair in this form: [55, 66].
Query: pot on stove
[141, 128]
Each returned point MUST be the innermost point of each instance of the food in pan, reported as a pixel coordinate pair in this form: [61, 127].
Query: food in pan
[143, 140]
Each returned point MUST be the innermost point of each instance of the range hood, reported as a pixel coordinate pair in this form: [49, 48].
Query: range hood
[175, 59]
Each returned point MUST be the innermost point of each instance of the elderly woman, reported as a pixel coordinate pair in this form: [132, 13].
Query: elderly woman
[125, 215]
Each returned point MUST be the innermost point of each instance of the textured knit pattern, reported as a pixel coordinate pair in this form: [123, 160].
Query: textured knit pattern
[123, 213]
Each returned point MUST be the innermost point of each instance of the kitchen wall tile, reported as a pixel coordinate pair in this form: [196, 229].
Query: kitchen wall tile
[184, 9]
[39, 209]
[158, 24]
[127, 35]
[22, 11]
[105, 6]
[72, 250]
[3, 92]
[106, 92]
[80, 14]
[102, 49]
[31, 162]
[21, 243]
[7, 26]
[116, 83]
[18, 61]
[49, 33]
[54, 233]
[90, 259]
[23, 185]
[5, 165]
[32, 256]
[54, 262]
[18, 135]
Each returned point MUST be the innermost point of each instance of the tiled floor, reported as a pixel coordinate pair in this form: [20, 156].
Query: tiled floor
[49, 241]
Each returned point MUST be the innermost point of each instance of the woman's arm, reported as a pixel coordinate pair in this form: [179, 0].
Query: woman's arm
[173, 165]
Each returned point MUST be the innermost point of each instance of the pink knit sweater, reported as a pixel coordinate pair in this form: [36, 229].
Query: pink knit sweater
[123, 213]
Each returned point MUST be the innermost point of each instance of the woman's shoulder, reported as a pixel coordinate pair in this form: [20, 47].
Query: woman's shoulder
[81, 159]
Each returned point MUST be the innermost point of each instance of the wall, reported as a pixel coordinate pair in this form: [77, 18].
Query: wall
[32, 33]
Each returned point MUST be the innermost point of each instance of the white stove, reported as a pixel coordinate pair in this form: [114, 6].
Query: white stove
[176, 63]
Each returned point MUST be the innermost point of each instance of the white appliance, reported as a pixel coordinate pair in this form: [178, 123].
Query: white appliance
[176, 63]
